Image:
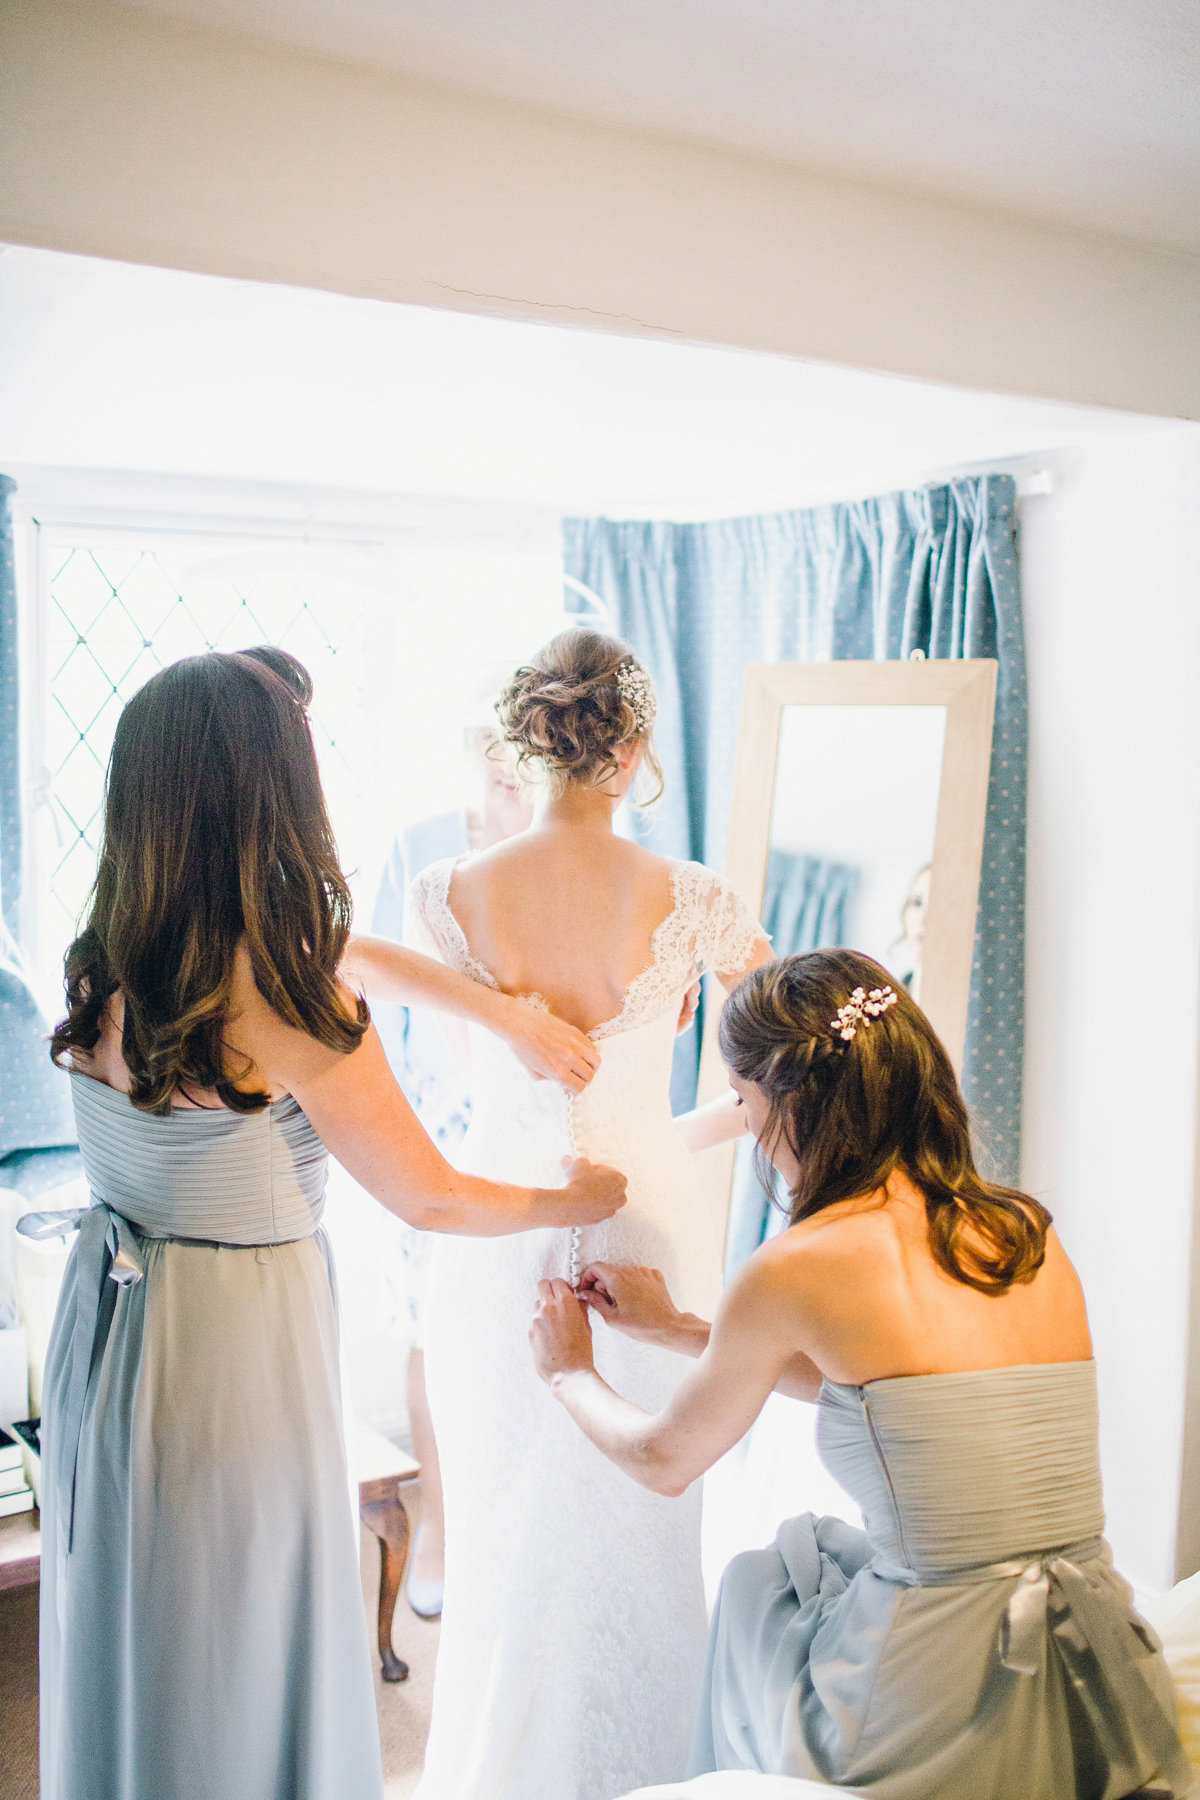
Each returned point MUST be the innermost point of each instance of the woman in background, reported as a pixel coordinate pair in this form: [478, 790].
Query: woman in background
[203, 1635]
[907, 953]
[432, 1076]
[974, 1643]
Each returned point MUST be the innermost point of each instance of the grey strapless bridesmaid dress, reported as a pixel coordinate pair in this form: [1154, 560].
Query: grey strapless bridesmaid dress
[202, 1628]
[974, 1642]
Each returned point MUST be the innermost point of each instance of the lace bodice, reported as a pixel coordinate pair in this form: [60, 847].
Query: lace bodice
[709, 928]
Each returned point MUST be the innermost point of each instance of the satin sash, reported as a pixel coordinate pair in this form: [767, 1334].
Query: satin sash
[1054, 1603]
[107, 1249]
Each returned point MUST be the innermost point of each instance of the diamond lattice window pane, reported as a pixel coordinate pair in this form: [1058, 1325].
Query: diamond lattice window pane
[80, 590]
[178, 636]
[70, 885]
[78, 690]
[77, 782]
[115, 642]
[118, 612]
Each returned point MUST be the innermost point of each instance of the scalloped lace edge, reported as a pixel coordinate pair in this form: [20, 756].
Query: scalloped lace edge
[709, 926]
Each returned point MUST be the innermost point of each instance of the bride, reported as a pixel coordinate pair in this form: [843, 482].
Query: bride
[573, 1630]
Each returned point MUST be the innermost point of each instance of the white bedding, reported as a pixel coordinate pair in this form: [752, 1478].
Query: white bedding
[739, 1784]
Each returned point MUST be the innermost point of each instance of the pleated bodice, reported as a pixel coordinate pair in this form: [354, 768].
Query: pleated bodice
[213, 1175]
[975, 1642]
[955, 1471]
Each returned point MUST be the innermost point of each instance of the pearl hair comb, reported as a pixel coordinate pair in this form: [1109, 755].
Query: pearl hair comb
[860, 1009]
[637, 690]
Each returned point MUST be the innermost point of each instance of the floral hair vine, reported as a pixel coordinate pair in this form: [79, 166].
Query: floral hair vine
[860, 1009]
[637, 690]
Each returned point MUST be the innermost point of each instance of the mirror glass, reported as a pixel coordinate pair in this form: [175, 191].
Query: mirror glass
[852, 829]
[849, 855]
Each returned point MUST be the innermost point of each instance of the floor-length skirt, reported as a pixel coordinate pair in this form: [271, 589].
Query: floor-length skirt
[203, 1635]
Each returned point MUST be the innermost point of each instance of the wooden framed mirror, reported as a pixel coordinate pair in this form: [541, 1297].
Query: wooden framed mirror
[859, 800]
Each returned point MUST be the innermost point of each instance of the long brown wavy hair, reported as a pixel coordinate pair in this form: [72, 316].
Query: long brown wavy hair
[854, 1112]
[215, 832]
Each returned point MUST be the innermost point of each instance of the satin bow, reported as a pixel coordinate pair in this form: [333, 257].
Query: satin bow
[1054, 1603]
[107, 1249]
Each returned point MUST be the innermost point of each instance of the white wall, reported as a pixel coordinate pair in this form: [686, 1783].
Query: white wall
[149, 140]
[107, 365]
[1111, 575]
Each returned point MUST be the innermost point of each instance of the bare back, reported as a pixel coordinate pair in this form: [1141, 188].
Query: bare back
[567, 912]
[861, 1290]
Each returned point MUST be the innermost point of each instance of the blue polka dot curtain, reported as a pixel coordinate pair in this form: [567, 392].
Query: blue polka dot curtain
[933, 570]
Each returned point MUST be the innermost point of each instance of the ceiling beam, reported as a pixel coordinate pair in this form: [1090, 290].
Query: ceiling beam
[147, 139]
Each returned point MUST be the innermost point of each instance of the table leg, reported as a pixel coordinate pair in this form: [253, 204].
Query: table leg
[387, 1519]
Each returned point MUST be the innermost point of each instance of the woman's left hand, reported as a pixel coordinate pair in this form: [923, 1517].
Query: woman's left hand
[561, 1333]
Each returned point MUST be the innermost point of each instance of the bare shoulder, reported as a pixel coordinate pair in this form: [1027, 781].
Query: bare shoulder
[820, 1251]
[780, 1298]
[826, 1266]
[247, 1002]
[278, 1055]
[1058, 1270]
[802, 1259]
[648, 865]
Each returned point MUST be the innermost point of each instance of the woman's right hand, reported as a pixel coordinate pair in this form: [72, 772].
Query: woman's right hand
[593, 1193]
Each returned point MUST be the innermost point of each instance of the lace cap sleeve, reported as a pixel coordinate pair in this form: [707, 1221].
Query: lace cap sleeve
[726, 932]
[429, 924]
[418, 930]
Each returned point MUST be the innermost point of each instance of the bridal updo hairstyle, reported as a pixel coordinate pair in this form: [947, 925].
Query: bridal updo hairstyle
[215, 830]
[853, 1112]
[565, 713]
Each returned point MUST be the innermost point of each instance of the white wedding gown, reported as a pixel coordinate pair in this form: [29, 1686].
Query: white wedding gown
[573, 1631]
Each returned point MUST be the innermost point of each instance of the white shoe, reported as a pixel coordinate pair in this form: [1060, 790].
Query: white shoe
[425, 1597]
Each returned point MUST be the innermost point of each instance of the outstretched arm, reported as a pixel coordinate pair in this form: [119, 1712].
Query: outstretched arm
[750, 1347]
[635, 1301]
[716, 1123]
[549, 1047]
[723, 1118]
[358, 1110]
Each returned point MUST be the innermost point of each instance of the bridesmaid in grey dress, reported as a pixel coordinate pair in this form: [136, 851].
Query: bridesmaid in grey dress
[203, 1635]
[974, 1642]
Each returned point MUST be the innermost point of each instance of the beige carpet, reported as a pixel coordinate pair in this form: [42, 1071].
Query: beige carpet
[403, 1707]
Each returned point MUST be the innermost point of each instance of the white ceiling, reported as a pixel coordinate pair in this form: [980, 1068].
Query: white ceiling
[1085, 111]
[109, 366]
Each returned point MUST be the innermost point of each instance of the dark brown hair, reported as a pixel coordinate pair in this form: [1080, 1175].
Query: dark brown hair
[853, 1112]
[215, 831]
[565, 713]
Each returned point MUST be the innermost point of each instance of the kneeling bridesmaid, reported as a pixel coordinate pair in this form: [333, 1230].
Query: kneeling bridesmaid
[974, 1641]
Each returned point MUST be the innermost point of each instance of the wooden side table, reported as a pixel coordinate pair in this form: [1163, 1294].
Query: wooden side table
[20, 1549]
[381, 1470]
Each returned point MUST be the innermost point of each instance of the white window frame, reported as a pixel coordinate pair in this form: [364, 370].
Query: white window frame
[52, 508]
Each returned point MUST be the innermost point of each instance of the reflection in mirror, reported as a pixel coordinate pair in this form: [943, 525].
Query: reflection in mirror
[849, 863]
[852, 828]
